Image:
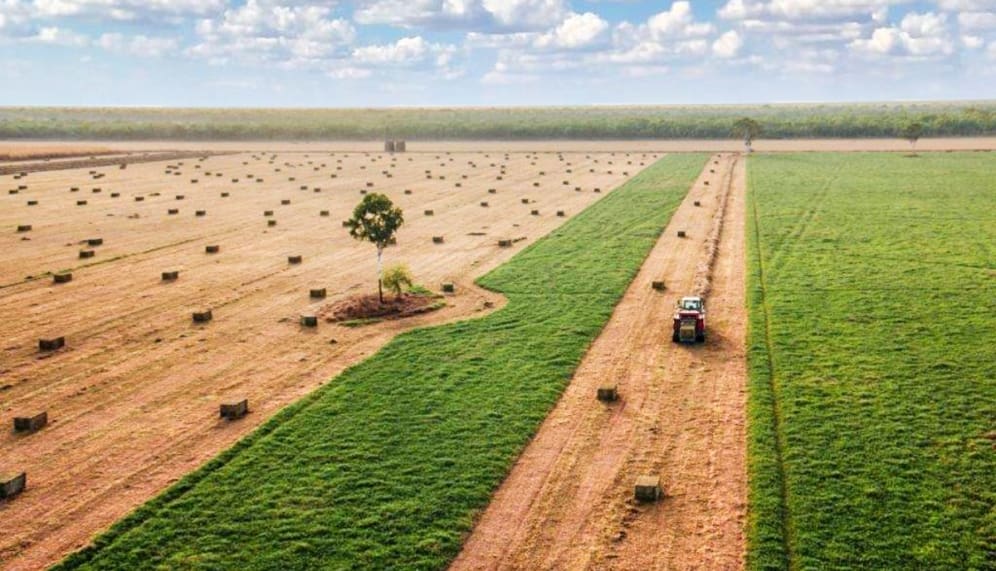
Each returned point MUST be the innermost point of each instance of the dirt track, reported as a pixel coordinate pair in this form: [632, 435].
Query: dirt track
[567, 503]
[133, 398]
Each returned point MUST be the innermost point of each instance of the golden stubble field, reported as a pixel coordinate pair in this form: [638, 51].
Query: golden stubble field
[133, 398]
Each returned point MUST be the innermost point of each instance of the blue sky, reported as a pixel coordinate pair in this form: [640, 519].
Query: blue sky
[492, 52]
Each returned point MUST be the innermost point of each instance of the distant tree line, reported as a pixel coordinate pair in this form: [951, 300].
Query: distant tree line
[649, 122]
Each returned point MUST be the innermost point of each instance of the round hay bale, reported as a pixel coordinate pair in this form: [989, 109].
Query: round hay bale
[62, 278]
[212, 249]
[294, 259]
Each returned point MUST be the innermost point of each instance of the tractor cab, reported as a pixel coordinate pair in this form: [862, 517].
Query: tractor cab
[689, 321]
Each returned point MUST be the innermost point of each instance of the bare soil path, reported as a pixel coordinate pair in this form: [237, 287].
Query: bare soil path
[133, 398]
[568, 501]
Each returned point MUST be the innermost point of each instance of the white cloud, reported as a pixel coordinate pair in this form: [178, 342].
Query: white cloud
[125, 9]
[677, 22]
[265, 30]
[966, 5]
[807, 9]
[977, 20]
[728, 45]
[139, 45]
[479, 15]
[918, 35]
[578, 30]
[60, 37]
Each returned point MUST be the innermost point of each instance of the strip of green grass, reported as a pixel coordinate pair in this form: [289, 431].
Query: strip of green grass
[872, 357]
[387, 466]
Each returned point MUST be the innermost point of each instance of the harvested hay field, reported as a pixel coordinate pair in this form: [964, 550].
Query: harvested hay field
[132, 398]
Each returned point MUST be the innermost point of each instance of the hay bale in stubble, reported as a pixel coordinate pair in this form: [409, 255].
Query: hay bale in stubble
[30, 423]
[697, 203]
[202, 316]
[607, 393]
[84, 254]
[597, 190]
[681, 234]
[437, 239]
[504, 243]
[271, 222]
[224, 195]
[534, 212]
[80, 203]
[324, 213]
[400, 146]
[172, 211]
[32, 203]
[484, 203]
[171, 276]
[388, 146]
[200, 213]
[408, 191]
[24, 228]
[62, 278]
[294, 259]
[13, 191]
[448, 288]
[212, 249]
[95, 242]
[309, 321]
[115, 194]
[429, 212]
[658, 285]
[561, 213]
[139, 199]
[180, 197]
[525, 201]
[317, 293]
[11, 486]
[234, 410]
[52, 344]
[285, 202]
[648, 488]
[345, 223]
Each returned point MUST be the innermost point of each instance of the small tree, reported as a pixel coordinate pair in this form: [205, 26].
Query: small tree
[375, 220]
[747, 129]
[912, 133]
[397, 278]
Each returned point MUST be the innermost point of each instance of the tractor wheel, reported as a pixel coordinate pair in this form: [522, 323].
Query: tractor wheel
[700, 338]
[675, 338]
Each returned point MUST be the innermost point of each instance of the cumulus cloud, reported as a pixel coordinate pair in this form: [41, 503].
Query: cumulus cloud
[578, 30]
[125, 9]
[477, 15]
[143, 46]
[728, 45]
[806, 9]
[267, 30]
[918, 35]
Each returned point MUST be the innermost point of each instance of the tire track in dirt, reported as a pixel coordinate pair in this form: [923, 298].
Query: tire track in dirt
[567, 502]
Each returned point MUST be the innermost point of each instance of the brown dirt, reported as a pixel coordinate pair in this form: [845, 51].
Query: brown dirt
[568, 501]
[133, 398]
[90, 162]
[370, 307]
[48, 151]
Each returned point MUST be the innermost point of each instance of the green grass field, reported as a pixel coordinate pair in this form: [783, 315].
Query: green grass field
[783, 121]
[872, 352]
[386, 466]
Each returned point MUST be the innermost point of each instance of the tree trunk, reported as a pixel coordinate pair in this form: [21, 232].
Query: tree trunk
[380, 273]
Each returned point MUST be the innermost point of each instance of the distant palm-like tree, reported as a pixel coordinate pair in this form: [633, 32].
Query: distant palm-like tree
[912, 133]
[748, 129]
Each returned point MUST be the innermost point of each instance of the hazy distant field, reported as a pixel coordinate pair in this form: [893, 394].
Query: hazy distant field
[648, 122]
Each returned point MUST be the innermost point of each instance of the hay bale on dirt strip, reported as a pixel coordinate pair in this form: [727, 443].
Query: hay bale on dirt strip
[484, 204]
[53, 344]
[139, 199]
[203, 316]
[62, 278]
[658, 285]
[32, 203]
[324, 213]
[492, 191]
[180, 197]
[271, 223]
[294, 259]
[234, 410]
[525, 201]
[697, 203]
[345, 223]
[95, 242]
[706, 183]
[608, 393]
[400, 146]
[437, 239]
[30, 423]
[648, 488]
[504, 243]
[388, 146]
[429, 213]
[200, 213]
[80, 203]
[317, 293]
[212, 249]
[681, 234]
[24, 228]
[561, 213]
[224, 195]
[115, 194]
[12, 485]
[309, 321]
[171, 276]
[172, 211]
[84, 254]
[285, 202]
[448, 288]
[534, 212]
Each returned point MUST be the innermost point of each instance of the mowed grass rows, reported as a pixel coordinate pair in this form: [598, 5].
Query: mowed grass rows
[872, 356]
[386, 466]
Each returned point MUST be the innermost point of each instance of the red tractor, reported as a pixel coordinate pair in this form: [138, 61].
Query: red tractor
[689, 321]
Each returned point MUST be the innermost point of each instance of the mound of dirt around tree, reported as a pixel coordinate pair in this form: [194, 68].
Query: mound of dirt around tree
[370, 307]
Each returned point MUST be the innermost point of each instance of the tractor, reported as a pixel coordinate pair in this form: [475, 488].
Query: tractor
[689, 321]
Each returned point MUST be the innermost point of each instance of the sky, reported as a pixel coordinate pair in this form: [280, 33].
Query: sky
[374, 53]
